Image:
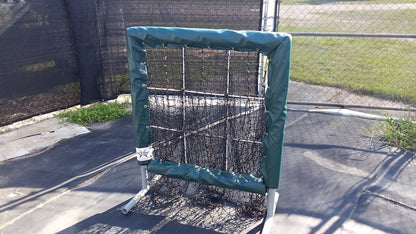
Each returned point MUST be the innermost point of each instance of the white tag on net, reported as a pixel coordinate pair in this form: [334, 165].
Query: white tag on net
[144, 154]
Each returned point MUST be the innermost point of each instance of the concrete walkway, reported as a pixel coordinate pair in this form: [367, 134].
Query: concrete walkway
[336, 177]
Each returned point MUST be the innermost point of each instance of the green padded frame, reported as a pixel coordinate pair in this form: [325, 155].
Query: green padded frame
[277, 48]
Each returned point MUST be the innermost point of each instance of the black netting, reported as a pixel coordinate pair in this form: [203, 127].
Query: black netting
[206, 110]
[118, 15]
[201, 98]
[57, 53]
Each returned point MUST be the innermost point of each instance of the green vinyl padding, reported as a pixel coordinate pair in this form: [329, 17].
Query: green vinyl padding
[208, 176]
[277, 48]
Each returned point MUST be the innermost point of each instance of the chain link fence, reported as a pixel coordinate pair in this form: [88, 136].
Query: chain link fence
[352, 53]
[56, 54]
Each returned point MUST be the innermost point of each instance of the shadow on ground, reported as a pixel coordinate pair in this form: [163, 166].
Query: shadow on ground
[335, 176]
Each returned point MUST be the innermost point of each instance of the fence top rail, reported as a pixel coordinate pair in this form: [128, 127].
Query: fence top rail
[324, 34]
[344, 105]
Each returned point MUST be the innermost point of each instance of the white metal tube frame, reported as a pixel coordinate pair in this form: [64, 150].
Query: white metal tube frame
[145, 187]
[268, 22]
[272, 198]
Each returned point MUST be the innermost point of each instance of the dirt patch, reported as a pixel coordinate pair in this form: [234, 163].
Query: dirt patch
[20, 108]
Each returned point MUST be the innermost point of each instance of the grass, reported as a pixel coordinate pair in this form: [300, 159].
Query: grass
[96, 113]
[376, 21]
[384, 68]
[398, 21]
[400, 132]
[399, 14]
[380, 67]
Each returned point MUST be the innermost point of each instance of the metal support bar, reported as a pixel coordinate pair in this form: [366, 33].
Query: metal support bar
[184, 106]
[380, 35]
[145, 187]
[227, 122]
[272, 198]
[268, 25]
[269, 15]
[342, 105]
[277, 16]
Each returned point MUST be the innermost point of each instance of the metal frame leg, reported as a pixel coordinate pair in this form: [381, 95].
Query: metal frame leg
[145, 187]
[272, 198]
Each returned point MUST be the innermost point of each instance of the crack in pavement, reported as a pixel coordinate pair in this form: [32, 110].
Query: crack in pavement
[388, 199]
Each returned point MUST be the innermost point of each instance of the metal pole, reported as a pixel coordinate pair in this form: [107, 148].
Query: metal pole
[276, 16]
[272, 198]
[184, 106]
[227, 123]
[145, 187]
[342, 105]
[268, 25]
[380, 35]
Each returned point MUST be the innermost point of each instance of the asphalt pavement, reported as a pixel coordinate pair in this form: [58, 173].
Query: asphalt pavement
[337, 177]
